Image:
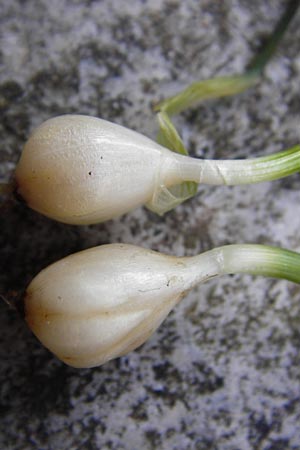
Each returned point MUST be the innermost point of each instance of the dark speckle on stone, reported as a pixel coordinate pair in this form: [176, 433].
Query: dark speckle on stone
[139, 411]
[260, 428]
[10, 91]
[154, 439]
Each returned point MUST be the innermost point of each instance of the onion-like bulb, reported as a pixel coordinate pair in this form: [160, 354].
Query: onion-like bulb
[102, 303]
[82, 170]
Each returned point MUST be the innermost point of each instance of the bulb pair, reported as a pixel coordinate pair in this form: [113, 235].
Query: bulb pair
[106, 301]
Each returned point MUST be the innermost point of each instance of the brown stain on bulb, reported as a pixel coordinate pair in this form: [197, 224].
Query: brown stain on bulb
[29, 314]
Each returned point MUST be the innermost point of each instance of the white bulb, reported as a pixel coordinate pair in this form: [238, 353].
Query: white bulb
[101, 303]
[82, 170]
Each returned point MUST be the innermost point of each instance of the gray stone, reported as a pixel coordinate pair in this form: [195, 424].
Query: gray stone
[223, 371]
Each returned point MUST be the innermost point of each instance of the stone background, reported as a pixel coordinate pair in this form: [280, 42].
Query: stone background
[223, 371]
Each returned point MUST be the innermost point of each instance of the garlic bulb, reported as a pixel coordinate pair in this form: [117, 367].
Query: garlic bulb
[83, 170]
[101, 303]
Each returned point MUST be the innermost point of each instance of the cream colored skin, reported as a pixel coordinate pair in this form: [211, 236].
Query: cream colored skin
[82, 170]
[103, 302]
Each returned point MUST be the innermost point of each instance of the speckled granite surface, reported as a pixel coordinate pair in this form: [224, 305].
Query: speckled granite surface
[223, 370]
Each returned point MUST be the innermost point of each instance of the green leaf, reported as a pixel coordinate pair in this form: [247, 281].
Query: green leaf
[225, 86]
[165, 199]
[260, 260]
[168, 135]
[207, 89]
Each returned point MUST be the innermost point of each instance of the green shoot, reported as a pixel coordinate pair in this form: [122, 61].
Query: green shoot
[243, 171]
[257, 260]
